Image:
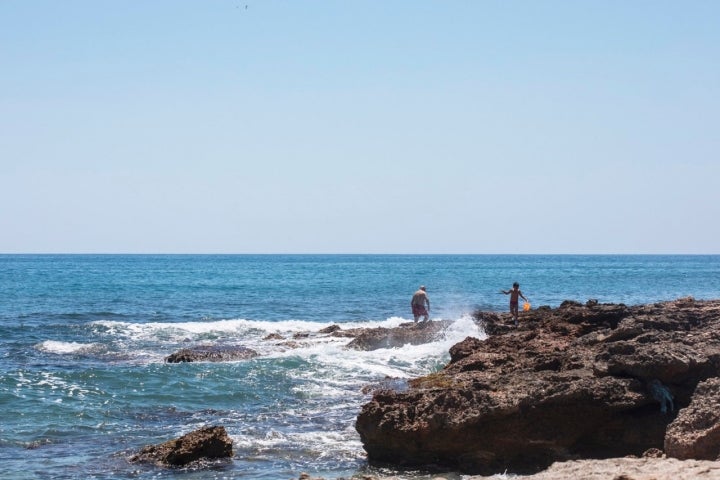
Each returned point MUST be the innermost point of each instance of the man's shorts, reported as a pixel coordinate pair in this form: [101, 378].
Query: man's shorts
[419, 310]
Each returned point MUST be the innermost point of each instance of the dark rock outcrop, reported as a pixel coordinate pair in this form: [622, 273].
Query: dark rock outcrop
[274, 336]
[406, 334]
[331, 329]
[212, 353]
[360, 339]
[580, 381]
[203, 444]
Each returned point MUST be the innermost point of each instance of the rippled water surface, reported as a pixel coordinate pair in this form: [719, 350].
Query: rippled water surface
[83, 383]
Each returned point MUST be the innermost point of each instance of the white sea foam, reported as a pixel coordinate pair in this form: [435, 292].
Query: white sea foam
[65, 348]
[321, 442]
[328, 377]
[330, 360]
[335, 371]
[237, 326]
[462, 328]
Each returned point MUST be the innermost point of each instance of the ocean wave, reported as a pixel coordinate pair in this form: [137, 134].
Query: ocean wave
[235, 325]
[290, 339]
[67, 348]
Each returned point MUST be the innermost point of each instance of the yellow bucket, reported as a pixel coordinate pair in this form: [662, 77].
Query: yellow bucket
[526, 306]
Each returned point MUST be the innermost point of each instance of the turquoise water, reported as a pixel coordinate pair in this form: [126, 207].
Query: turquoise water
[83, 337]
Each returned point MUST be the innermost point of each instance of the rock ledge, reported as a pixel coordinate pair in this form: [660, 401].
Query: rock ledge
[582, 381]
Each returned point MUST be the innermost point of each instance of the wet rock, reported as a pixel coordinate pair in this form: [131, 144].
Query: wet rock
[580, 381]
[203, 444]
[330, 329]
[394, 384]
[405, 334]
[212, 353]
[274, 336]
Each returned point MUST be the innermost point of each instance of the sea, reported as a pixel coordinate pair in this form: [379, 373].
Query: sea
[83, 340]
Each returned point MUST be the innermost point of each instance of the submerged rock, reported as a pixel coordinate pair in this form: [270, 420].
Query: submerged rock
[205, 443]
[580, 381]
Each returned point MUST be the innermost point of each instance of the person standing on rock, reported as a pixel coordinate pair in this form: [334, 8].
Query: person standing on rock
[515, 295]
[420, 304]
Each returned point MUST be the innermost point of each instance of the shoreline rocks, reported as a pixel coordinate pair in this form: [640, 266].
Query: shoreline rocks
[211, 353]
[203, 444]
[360, 339]
[406, 334]
[695, 433]
[580, 381]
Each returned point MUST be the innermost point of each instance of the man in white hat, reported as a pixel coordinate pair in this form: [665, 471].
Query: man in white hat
[420, 304]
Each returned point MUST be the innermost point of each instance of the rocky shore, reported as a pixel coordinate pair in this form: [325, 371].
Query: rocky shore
[592, 391]
[583, 381]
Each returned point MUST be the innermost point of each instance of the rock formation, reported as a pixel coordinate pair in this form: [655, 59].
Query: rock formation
[211, 353]
[580, 381]
[360, 339]
[406, 334]
[205, 443]
[695, 433]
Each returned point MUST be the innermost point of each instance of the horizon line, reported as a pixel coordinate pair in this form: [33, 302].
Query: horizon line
[358, 254]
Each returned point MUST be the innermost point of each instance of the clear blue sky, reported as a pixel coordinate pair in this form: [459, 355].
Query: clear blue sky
[413, 126]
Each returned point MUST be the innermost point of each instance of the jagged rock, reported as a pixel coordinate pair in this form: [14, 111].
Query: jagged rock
[695, 433]
[274, 336]
[405, 334]
[395, 384]
[464, 349]
[212, 353]
[653, 453]
[330, 329]
[205, 443]
[580, 381]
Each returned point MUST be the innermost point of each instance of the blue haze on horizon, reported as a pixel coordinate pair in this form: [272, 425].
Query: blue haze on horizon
[359, 127]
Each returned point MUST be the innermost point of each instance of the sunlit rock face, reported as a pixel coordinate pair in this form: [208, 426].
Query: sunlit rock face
[579, 381]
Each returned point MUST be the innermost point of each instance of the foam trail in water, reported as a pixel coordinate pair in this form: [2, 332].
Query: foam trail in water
[64, 348]
[332, 380]
[235, 326]
[293, 338]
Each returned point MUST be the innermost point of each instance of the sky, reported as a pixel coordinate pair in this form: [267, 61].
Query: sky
[418, 127]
